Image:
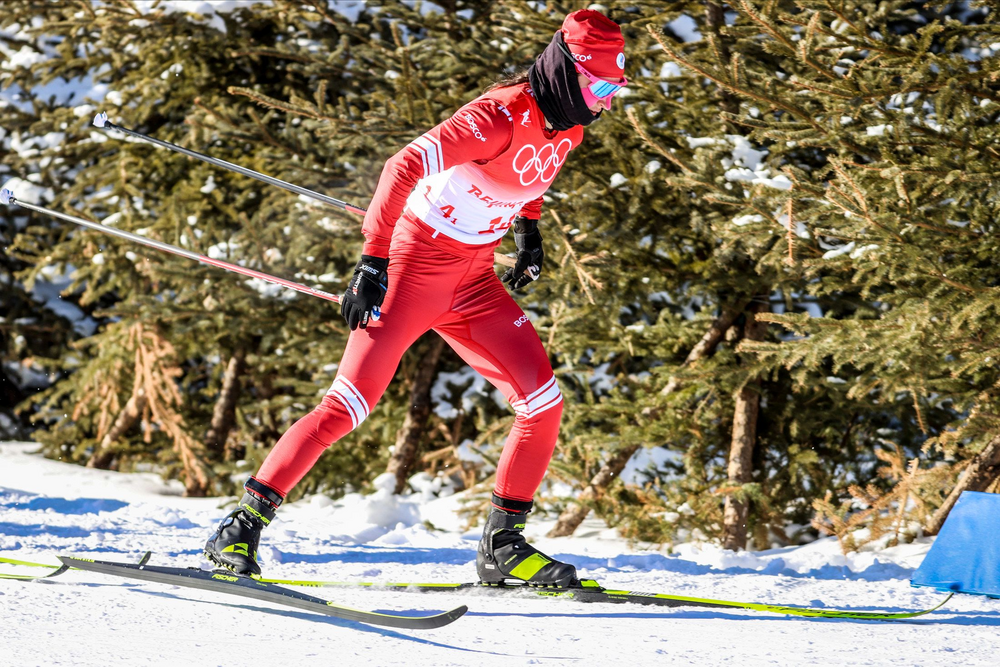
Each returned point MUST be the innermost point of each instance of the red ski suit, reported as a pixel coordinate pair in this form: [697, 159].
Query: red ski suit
[454, 192]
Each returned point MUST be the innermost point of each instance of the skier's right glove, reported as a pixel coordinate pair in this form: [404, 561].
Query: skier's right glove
[365, 292]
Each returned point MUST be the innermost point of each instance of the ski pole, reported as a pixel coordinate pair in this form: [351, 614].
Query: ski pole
[7, 198]
[101, 121]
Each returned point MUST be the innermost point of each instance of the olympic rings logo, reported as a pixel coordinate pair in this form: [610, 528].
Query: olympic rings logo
[531, 164]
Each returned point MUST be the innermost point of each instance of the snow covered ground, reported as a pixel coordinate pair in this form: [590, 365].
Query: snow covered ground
[80, 618]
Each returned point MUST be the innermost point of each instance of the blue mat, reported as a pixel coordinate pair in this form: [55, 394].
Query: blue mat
[965, 557]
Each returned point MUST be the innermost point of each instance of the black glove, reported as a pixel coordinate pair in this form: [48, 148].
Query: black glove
[365, 292]
[529, 254]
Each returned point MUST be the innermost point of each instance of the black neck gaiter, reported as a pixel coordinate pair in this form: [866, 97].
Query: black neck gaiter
[553, 80]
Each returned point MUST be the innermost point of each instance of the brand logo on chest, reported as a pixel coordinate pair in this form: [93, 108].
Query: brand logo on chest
[532, 164]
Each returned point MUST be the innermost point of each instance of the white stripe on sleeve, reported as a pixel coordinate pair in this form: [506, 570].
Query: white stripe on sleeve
[430, 149]
[423, 157]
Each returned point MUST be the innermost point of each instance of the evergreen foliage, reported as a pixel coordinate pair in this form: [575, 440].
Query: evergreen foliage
[769, 278]
[872, 200]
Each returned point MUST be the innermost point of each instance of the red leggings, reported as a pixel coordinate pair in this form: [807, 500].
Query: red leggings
[450, 287]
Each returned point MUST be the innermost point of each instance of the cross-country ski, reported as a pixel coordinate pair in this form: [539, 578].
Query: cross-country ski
[586, 590]
[229, 584]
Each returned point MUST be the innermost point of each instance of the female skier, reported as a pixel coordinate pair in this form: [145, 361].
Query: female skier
[442, 205]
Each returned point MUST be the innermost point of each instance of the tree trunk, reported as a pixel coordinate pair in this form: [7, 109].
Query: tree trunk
[734, 518]
[737, 508]
[105, 453]
[10, 394]
[573, 516]
[408, 438]
[982, 471]
[715, 18]
[224, 413]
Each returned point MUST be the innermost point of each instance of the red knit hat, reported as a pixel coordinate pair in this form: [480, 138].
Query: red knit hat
[596, 43]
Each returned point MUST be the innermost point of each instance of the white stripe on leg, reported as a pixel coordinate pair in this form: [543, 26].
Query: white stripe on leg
[351, 398]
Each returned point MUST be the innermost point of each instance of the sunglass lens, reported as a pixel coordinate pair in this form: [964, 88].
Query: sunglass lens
[604, 89]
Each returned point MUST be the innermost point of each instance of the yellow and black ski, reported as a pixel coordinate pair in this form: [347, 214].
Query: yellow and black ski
[54, 570]
[231, 584]
[589, 590]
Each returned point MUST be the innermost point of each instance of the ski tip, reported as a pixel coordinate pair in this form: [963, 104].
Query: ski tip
[6, 196]
[438, 620]
[101, 119]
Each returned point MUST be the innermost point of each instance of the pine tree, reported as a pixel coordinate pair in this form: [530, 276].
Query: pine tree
[867, 202]
[163, 66]
[768, 277]
[299, 92]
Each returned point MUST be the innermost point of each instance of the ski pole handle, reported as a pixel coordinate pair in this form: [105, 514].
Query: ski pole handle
[504, 260]
[7, 197]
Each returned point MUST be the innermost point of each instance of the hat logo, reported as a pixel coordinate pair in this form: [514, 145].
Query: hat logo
[620, 61]
[582, 58]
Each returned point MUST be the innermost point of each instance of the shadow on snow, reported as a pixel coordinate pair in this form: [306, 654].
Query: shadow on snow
[352, 625]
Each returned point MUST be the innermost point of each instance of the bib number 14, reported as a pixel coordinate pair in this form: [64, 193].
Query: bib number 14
[498, 225]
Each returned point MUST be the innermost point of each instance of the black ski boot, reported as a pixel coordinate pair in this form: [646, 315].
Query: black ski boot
[505, 554]
[234, 544]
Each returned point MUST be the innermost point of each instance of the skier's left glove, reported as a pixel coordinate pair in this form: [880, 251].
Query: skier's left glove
[528, 264]
[365, 292]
